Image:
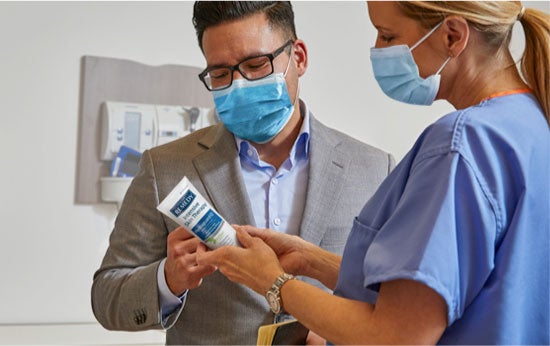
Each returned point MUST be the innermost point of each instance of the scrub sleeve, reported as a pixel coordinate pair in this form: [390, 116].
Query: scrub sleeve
[440, 233]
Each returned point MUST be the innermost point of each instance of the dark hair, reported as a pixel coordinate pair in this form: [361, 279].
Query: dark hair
[211, 13]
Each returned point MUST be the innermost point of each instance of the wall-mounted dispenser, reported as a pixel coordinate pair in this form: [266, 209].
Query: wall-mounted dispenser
[128, 129]
[106, 79]
[143, 126]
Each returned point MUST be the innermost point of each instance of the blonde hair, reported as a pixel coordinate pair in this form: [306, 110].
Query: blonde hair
[495, 20]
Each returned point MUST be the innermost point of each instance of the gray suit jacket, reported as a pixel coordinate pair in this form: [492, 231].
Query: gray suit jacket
[343, 174]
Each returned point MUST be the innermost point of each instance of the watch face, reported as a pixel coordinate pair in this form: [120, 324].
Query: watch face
[273, 301]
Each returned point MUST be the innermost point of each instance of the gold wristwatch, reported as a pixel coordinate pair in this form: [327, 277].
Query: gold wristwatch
[273, 295]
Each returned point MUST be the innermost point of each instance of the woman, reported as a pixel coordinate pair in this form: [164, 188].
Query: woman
[454, 246]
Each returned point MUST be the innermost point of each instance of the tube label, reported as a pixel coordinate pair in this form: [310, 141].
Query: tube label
[183, 203]
[187, 207]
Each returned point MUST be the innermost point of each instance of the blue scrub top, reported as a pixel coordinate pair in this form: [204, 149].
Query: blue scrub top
[466, 212]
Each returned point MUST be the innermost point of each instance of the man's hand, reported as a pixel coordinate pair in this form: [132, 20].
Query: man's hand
[181, 269]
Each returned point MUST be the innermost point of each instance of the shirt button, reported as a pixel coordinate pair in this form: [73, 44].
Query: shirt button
[275, 181]
[276, 221]
[249, 152]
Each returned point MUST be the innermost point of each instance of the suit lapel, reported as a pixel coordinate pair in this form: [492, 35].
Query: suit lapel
[327, 167]
[220, 172]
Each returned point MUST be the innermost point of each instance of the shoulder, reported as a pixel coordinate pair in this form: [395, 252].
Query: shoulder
[481, 132]
[504, 123]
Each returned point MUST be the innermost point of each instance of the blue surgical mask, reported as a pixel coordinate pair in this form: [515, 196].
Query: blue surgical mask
[397, 74]
[255, 110]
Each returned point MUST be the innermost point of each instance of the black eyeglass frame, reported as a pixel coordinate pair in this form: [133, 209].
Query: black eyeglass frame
[270, 56]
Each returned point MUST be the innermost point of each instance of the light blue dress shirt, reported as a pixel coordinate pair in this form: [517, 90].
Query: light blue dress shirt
[277, 197]
[466, 212]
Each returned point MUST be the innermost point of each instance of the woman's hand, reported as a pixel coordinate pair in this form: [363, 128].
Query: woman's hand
[300, 257]
[290, 249]
[254, 264]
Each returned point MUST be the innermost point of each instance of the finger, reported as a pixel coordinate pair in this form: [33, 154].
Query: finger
[202, 247]
[262, 233]
[203, 250]
[244, 238]
[249, 229]
[202, 270]
[205, 258]
[180, 233]
[183, 247]
[219, 257]
[181, 264]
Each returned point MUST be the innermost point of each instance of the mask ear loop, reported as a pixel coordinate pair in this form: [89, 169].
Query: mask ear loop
[443, 66]
[426, 36]
[297, 91]
[287, 67]
[289, 59]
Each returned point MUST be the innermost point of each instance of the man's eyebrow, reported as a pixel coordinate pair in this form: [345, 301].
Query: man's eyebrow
[250, 56]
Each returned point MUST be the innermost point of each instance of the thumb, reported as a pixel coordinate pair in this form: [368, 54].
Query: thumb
[205, 257]
[262, 233]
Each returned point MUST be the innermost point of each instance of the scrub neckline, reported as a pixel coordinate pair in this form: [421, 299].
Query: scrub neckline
[506, 93]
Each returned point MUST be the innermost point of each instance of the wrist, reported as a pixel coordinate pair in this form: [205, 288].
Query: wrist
[175, 288]
[323, 266]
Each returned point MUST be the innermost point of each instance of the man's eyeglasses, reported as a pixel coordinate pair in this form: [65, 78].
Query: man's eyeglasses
[258, 67]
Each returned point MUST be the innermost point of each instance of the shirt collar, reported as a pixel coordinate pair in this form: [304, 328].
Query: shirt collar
[300, 149]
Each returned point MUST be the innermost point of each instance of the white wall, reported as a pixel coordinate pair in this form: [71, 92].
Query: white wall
[51, 247]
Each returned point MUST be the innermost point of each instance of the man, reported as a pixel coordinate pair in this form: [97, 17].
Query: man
[269, 163]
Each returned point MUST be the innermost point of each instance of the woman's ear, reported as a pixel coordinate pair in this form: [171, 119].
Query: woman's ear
[457, 33]
[299, 55]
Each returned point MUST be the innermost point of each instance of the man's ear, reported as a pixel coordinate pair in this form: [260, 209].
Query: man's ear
[457, 33]
[299, 55]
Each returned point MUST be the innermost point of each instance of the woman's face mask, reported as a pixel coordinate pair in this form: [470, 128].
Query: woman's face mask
[397, 74]
[255, 110]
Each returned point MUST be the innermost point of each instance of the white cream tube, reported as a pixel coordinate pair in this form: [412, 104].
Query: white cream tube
[188, 208]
